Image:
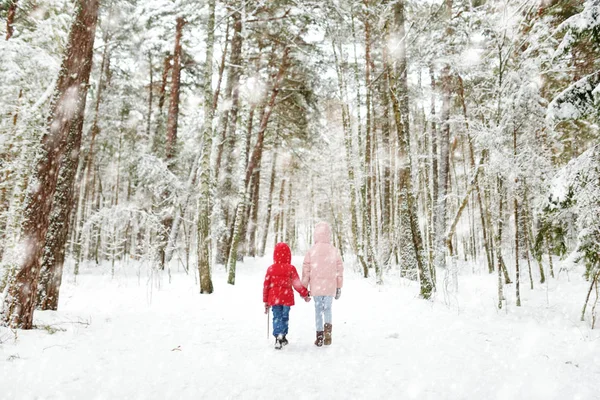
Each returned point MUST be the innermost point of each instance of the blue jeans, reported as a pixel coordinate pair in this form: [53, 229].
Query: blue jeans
[281, 320]
[322, 309]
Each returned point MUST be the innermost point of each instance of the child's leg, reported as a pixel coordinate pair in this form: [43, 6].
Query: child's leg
[327, 302]
[319, 313]
[285, 319]
[277, 320]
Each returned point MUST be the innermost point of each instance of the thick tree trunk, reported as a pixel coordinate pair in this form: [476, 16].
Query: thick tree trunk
[58, 230]
[204, 203]
[399, 95]
[66, 115]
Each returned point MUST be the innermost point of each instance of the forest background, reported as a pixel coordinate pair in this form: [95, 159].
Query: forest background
[437, 138]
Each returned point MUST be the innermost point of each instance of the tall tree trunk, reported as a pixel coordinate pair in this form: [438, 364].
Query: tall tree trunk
[444, 151]
[171, 138]
[367, 167]
[498, 241]
[229, 136]
[517, 223]
[399, 95]
[204, 203]
[434, 173]
[150, 97]
[386, 201]
[517, 270]
[173, 117]
[360, 204]
[253, 163]
[66, 115]
[158, 139]
[444, 171]
[58, 230]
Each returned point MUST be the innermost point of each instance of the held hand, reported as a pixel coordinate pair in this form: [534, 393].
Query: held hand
[338, 293]
[267, 308]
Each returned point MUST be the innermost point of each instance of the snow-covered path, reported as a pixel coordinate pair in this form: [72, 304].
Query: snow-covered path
[120, 339]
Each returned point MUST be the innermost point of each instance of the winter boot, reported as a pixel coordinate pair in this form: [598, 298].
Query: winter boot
[319, 341]
[284, 341]
[278, 342]
[327, 340]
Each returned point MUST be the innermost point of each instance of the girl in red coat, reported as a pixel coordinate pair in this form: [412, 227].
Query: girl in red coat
[278, 293]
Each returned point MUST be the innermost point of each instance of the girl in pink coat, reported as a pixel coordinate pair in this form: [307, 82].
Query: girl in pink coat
[323, 274]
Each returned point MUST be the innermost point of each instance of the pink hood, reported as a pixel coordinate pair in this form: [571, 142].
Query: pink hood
[322, 233]
[322, 269]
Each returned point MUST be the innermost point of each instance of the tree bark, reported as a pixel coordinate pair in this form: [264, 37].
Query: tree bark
[399, 95]
[228, 138]
[58, 230]
[204, 203]
[66, 115]
[434, 172]
[10, 18]
[444, 149]
[173, 117]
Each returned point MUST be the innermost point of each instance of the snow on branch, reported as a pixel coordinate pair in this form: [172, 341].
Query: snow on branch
[577, 100]
[588, 19]
[155, 176]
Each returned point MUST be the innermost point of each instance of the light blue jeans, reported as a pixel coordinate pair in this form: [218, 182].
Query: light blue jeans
[322, 310]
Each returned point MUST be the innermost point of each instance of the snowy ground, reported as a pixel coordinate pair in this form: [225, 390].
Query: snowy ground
[126, 338]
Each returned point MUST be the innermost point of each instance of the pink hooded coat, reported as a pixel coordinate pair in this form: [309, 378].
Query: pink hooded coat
[322, 269]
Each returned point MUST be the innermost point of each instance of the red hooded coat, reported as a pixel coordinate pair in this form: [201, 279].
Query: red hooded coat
[281, 277]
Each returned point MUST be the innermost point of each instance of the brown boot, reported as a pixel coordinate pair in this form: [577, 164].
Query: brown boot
[319, 341]
[327, 340]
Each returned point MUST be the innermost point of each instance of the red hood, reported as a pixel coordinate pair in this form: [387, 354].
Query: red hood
[282, 254]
